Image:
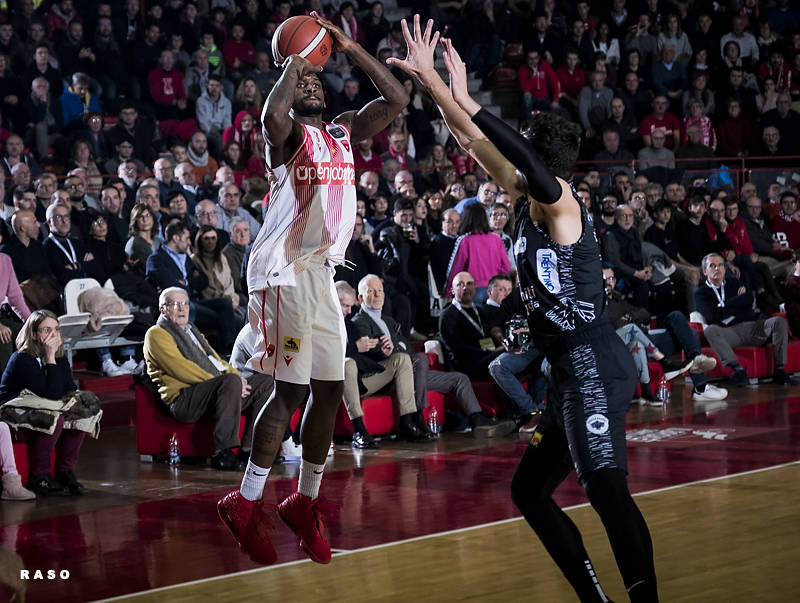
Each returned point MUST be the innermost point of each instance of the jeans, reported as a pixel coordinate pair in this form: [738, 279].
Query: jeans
[640, 346]
[678, 329]
[504, 370]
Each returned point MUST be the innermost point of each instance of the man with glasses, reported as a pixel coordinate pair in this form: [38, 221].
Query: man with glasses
[229, 199]
[164, 173]
[207, 213]
[66, 256]
[487, 194]
[196, 383]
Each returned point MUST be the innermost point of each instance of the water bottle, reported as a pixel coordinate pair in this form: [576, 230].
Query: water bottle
[173, 452]
[433, 421]
[663, 391]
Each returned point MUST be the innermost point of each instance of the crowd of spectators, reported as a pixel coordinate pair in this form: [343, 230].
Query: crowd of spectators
[132, 151]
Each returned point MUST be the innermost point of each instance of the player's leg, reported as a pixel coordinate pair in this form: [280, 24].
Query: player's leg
[545, 464]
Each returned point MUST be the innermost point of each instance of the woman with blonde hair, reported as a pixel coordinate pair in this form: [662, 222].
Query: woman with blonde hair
[40, 366]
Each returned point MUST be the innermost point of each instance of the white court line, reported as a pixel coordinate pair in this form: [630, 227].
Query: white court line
[428, 536]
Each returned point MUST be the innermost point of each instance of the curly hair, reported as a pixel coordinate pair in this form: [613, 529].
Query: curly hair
[556, 140]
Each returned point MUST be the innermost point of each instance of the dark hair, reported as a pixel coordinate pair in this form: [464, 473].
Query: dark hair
[474, 220]
[499, 277]
[401, 203]
[198, 248]
[174, 228]
[556, 140]
[787, 194]
[175, 194]
[662, 204]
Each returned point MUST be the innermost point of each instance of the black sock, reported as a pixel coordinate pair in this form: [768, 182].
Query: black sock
[358, 425]
[692, 355]
[700, 388]
[735, 366]
[407, 419]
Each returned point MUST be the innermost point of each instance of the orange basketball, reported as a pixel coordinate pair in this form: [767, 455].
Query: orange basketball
[304, 36]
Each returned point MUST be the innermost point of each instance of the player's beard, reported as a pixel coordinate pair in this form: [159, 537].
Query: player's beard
[309, 110]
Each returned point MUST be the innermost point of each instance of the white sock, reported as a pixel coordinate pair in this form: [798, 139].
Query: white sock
[310, 479]
[255, 477]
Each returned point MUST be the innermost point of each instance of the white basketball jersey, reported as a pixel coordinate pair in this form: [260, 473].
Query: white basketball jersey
[311, 210]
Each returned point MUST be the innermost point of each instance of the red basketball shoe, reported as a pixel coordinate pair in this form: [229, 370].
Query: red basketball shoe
[248, 522]
[304, 517]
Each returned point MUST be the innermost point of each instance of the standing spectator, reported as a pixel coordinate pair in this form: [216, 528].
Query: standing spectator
[594, 104]
[660, 119]
[214, 113]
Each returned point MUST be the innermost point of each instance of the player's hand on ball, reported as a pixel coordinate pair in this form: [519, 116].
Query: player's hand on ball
[341, 41]
[303, 66]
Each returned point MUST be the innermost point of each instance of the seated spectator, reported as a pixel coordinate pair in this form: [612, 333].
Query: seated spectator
[171, 266]
[539, 84]
[371, 322]
[81, 156]
[30, 262]
[441, 249]
[205, 166]
[659, 119]
[41, 67]
[642, 40]
[675, 335]
[769, 251]
[243, 168]
[744, 39]
[773, 148]
[40, 366]
[594, 104]
[500, 224]
[674, 36]
[196, 76]
[196, 383]
[768, 98]
[612, 152]
[736, 136]
[179, 209]
[184, 174]
[625, 123]
[571, 79]
[207, 212]
[434, 163]
[477, 251]
[361, 252]
[366, 159]
[123, 152]
[209, 259]
[487, 195]
[229, 202]
[655, 154]
[694, 148]
[43, 117]
[364, 375]
[167, 89]
[11, 481]
[141, 130]
[662, 234]
[783, 117]
[244, 132]
[699, 91]
[15, 154]
[735, 87]
[467, 343]
[164, 173]
[66, 256]
[623, 247]
[400, 150]
[239, 54]
[213, 113]
[143, 236]
[603, 42]
[77, 100]
[785, 225]
[9, 325]
[727, 310]
[234, 254]
[111, 204]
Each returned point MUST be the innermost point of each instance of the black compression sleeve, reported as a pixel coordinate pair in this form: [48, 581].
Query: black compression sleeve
[542, 185]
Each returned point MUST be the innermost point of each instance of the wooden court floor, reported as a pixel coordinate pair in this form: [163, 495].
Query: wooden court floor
[717, 483]
[729, 539]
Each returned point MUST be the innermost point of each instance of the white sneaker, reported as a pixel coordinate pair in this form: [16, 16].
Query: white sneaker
[702, 364]
[130, 365]
[711, 392]
[112, 370]
[291, 451]
[330, 450]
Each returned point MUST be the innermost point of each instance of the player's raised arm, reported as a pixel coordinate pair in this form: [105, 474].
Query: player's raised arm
[379, 113]
[275, 114]
[550, 190]
[419, 64]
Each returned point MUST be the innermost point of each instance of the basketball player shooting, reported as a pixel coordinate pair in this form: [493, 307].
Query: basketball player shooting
[592, 378]
[294, 309]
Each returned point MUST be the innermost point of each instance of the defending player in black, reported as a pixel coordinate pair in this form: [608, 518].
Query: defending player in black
[593, 377]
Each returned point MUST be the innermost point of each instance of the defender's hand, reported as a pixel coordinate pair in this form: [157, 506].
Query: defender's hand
[421, 48]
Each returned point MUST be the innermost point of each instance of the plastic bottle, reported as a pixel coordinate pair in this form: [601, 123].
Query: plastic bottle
[663, 391]
[173, 451]
[433, 421]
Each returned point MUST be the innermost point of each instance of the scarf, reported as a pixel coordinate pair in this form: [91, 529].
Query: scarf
[195, 159]
[187, 347]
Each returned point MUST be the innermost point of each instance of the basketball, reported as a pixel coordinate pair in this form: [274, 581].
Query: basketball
[302, 35]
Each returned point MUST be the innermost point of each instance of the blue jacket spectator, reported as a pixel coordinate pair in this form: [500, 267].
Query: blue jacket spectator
[76, 100]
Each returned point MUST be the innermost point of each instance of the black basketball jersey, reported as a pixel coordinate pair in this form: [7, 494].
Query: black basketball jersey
[561, 285]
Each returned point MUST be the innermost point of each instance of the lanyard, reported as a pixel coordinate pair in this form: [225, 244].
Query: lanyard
[71, 255]
[720, 296]
[478, 325]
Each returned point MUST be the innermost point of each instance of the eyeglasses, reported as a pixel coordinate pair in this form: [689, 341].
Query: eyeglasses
[490, 193]
[74, 186]
[61, 218]
[204, 214]
[98, 222]
[178, 304]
